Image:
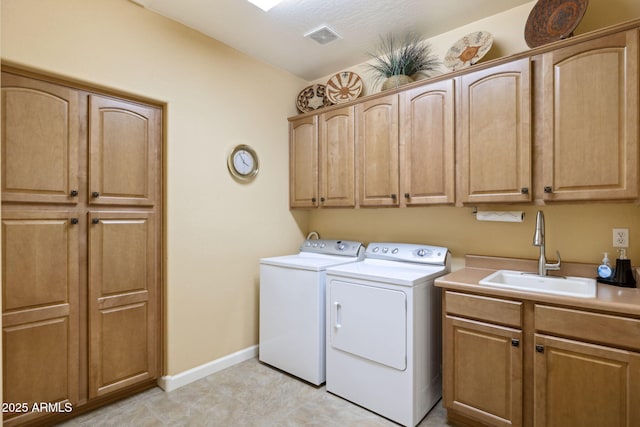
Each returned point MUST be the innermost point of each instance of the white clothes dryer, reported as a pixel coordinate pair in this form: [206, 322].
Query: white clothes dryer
[384, 339]
[292, 306]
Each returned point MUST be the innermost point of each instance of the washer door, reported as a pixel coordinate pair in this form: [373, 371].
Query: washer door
[369, 322]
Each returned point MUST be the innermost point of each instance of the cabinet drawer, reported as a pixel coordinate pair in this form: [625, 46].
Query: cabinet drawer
[602, 328]
[484, 308]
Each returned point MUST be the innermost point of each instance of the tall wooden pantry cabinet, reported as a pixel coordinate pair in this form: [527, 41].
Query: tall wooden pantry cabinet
[81, 246]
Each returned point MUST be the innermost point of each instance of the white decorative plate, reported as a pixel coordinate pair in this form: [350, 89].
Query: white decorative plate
[468, 50]
[311, 98]
[343, 87]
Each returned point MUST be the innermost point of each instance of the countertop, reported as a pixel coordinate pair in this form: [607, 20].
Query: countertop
[609, 298]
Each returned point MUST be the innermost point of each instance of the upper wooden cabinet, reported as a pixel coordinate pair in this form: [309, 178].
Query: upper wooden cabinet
[377, 141]
[427, 144]
[559, 123]
[337, 158]
[123, 152]
[495, 134]
[589, 119]
[303, 162]
[41, 134]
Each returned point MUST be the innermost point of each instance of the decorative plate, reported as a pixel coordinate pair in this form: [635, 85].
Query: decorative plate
[468, 50]
[311, 98]
[343, 87]
[552, 20]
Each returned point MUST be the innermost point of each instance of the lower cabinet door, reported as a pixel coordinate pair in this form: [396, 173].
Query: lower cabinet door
[40, 314]
[581, 384]
[483, 371]
[123, 305]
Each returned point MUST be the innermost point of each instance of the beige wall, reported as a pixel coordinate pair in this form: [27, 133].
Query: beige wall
[507, 29]
[580, 232]
[216, 229]
[215, 98]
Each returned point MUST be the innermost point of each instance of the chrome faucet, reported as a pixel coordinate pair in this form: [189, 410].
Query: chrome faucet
[538, 240]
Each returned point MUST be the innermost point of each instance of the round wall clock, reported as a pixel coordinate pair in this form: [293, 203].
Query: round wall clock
[243, 163]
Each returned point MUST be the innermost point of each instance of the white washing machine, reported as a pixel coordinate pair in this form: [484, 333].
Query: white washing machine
[384, 339]
[292, 306]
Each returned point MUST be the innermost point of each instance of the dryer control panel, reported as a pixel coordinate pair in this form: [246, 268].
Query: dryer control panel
[333, 247]
[408, 252]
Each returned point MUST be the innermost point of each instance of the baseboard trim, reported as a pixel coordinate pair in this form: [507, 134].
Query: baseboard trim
[173, 382]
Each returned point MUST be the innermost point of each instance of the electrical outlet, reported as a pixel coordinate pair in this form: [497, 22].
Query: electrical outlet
[620, 237]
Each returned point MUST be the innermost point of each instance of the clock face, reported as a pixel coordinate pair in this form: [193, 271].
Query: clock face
[243, 163]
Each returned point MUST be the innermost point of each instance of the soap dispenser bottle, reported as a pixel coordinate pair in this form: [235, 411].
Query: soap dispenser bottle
[623, 275]
[604, 269]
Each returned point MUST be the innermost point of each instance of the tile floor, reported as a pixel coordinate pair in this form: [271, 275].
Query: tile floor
[247, 394]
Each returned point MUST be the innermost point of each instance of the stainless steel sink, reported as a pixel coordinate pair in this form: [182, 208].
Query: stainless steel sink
[570, 286]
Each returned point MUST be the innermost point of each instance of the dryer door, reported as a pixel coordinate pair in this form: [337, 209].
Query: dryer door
[369, 322]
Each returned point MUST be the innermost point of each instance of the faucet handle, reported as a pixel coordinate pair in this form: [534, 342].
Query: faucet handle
[555, 266]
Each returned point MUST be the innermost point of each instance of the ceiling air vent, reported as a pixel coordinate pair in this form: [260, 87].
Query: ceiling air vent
[322, 35]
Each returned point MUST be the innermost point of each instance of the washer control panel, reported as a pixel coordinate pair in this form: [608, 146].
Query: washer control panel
[408, 252]
[333, 247]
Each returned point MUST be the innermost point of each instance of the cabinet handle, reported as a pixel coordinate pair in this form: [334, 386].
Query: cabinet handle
[74, 221]
[515, 342]
[548, 189]
[393, 196]
[407, 195]
[95, 194]
[313, 200]
[74, 193]
[539, 348]
[322, 199]
[95, 221]
[524, 190]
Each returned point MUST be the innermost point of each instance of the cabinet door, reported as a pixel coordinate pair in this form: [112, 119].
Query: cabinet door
[124, 152]
[582, 385]
[123, 307]
[41, 133]
[483, 371]
[303, 162]
[40, 309]
[590, 120]
[377, 146]
[427, 137]
[337, 158]
[495, 134]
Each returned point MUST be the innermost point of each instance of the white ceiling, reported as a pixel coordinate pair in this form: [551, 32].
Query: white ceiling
[277, 36]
